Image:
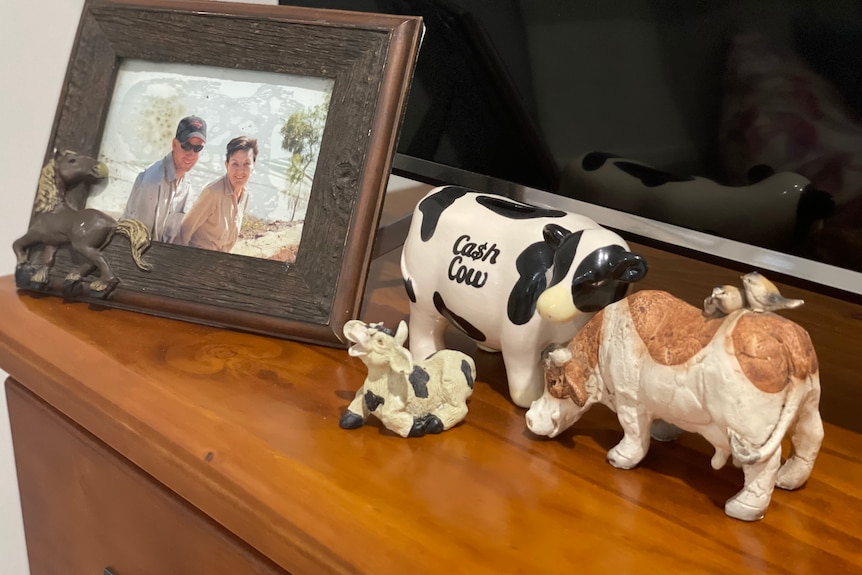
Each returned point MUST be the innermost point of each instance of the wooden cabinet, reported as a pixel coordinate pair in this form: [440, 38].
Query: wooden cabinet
[87, 508]
[154, 446]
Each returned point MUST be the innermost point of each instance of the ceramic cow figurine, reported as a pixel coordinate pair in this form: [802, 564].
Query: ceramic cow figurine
[741, 381]
[409, 398]
[512, 276]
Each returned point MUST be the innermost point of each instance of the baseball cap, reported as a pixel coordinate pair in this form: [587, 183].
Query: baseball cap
[191, 127]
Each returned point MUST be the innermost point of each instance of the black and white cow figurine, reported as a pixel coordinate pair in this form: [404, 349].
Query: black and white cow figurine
[512, 276]
[409, 398]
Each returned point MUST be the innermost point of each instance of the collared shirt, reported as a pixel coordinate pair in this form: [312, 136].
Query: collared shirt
[158, 199]
[214, 221]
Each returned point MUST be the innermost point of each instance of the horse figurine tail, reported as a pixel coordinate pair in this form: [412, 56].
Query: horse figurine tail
[139, 238]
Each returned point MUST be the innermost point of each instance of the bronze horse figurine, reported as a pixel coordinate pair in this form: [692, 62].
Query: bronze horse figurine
[55, 224]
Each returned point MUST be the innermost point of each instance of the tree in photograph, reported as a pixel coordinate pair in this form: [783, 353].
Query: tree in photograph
[157, 124]
[301, 136]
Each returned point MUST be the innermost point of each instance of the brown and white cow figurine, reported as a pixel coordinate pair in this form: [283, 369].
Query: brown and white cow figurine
[741, 381]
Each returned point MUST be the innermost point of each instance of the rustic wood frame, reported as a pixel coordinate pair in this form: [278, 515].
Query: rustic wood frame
[369, 56]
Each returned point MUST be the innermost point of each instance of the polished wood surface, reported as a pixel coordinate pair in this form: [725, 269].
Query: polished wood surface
[71, 484]
[245, 428]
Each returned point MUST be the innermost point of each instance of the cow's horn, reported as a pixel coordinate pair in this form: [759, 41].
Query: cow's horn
[401, 333]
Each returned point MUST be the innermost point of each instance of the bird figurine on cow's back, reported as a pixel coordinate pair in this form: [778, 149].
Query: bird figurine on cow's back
[763, 295]
[757, 294]
[513, 277]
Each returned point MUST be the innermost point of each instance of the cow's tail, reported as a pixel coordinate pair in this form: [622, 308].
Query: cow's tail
[746, 453]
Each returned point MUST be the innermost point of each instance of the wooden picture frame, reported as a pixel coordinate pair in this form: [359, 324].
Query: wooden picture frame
[369, 57]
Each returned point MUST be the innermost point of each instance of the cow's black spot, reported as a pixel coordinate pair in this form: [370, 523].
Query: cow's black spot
[650, 177]
[419, 381]
[759, 172]
[459, 322]
[515, 210]
[468, 372]
[382, 328]
[603, 276]
[373, 401]
[408, 285]
[433, 207]
[595, 160]
[564, 256]
[532, 264]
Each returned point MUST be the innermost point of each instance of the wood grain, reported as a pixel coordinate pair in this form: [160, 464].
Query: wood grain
[245, 428]
[71, 483]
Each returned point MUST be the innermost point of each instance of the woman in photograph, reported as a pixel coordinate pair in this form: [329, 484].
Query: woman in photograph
[214, 221]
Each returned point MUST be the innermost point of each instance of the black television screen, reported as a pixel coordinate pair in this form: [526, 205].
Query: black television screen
[670, 122]
[470, 105]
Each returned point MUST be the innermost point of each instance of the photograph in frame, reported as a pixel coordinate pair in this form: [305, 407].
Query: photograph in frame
[287, 140]
[283, 115]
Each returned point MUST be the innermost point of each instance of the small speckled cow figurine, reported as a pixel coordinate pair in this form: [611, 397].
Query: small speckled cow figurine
[742, 381]
[410, 398]
[512, 276]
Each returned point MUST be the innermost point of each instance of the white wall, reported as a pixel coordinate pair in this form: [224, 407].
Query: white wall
[35, 40]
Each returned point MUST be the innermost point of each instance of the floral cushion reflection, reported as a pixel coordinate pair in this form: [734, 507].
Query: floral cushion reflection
[778, 112]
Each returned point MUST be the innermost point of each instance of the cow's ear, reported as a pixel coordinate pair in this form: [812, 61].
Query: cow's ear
[554, 235]
[401, 333]
[401, 361]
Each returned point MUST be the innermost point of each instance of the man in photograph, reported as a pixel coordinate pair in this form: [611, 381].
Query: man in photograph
[159, 194]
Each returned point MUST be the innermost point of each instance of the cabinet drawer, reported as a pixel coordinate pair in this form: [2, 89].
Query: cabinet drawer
[86, 508]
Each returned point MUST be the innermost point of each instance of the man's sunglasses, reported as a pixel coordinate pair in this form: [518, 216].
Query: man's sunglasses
[188, 146]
